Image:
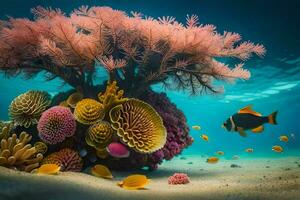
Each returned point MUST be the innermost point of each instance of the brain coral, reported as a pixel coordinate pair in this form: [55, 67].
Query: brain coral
[26, 109]
[139, 126]
[99, 135]
[67, 159]
[17, 153]
[89, 111]
[56, 124]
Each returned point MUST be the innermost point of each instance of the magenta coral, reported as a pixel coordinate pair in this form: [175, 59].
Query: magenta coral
[175, 122]
[178, 178]
[56, 124]
[67, 159]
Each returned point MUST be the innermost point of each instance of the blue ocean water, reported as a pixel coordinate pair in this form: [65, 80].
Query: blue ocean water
[274, 83]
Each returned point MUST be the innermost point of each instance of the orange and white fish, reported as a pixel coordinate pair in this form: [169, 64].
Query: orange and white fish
[277, 149]
[248, 119]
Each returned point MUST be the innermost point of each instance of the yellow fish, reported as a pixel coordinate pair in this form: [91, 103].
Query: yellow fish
[196, 127]
[48, 169]
[284, 138]
[134, 182]
[212, 160]
[204, 137]
[249, 150]
[220, 153]
[277, 149]
[101, 171]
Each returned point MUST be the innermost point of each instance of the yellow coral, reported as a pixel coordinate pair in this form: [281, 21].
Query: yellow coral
[15, 152]
[26, 109]
[74, 98]
[99, 135]
[139, 126]
[41, 147]
[112, 96]
[89, 111]
[5, 129]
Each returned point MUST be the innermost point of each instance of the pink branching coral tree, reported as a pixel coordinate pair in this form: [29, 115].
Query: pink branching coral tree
[137, 51]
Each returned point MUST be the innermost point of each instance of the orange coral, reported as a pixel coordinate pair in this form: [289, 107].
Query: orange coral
[139, 126]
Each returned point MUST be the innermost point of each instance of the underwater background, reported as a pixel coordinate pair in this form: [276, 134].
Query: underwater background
[274, 83]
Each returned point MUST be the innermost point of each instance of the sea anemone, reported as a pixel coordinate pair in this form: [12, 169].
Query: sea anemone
[99, 135]
[139, 126]
[89, 111]
[17, 153]
[178, 178]
[56, 124]
[67, 159]
[26, 109]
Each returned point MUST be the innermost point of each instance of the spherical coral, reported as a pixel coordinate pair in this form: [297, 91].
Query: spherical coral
[26, 109]
[89, 111]
[56, 124]
[67, 159]
[15, 152]
[139, 126]
[175, 122]
[178, 178]
[99, 135]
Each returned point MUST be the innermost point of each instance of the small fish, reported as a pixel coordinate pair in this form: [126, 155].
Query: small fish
[212, 160]
[220, 153]
[196, 127]
[134, 182]
[204, 137]
[101, 171]
[284, 138]
[277, 149]
[247, 119]
[49, 169]
[235, 157]
[249, 150]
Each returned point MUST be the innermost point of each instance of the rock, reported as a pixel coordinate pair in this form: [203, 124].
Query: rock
[235, 166]
[190, 163]
[182, 158]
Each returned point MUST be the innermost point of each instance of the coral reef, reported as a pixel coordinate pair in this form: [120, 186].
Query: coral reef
[67, 159]
[56, 124]
[117, 150]
[139, 126]
[112, 96]
[99, 135]
[41, 147]
[5, 130]
[26, 109]
[89, 111]
[136, 51]
[17, 153]
[74, 98]
[176, 125]
[178, 178]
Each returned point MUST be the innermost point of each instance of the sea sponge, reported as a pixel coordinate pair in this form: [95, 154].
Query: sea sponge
[112, 96]
[56, 124]
[67, 159]
[89, 111]
[99, 135]
[26, 109]
[74, 98]
[139, 126]
[17, 153]
[178, 178]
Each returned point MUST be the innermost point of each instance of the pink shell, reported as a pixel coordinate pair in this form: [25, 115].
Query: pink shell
[117, 150]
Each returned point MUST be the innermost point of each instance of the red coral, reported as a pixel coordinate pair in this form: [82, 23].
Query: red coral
[67, 159]
[178, 178]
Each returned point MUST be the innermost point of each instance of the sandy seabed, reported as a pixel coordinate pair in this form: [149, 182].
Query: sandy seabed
[257, 179]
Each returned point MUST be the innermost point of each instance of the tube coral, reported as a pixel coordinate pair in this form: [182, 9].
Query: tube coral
[136, 51]
[16, 152]
[56, 124]
[67, 159]
[26, 109]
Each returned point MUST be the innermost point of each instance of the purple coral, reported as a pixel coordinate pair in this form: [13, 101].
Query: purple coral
[56, 124]
[178, 178]
[175, 122]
